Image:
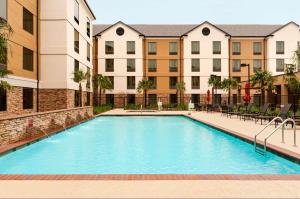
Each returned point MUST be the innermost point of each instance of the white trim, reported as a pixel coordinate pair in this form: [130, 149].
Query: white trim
[21, 81]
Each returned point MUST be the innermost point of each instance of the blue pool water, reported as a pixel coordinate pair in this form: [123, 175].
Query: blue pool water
[143, 145]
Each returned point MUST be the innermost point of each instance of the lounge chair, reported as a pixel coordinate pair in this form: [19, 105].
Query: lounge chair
[262, 111]
[283, 114]
[247, 111]
[238, 109]
[226, 109]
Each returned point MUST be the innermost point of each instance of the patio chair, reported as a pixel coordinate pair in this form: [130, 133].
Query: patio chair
[226, 109]
[247, 111]
[262, 111]
[283, 114]
[238, 109]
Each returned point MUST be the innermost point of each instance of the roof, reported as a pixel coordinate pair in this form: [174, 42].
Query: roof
[177, 30]
[87, 5]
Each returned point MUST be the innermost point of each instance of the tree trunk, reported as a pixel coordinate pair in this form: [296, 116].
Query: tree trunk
[262, 96]
[100, 96]
[80, 95]
[145, 98]
[213, 95]
[229, 94]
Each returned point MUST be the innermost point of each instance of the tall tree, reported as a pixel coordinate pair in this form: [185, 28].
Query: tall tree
[215, 82]
[180, 88]
[144, 86]
[102, 83]
[227, 85]
[80, 77]
[264, 81]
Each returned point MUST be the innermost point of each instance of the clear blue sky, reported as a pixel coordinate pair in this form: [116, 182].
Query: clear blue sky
[196, 11]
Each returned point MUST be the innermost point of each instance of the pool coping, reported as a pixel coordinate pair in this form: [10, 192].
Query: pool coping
[257, 177]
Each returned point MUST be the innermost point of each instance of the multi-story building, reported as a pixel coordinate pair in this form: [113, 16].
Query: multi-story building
[22, 57]
[65, 51]
[49, 41]
[192, 53]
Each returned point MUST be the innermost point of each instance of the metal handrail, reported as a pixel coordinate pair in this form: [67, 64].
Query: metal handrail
[282, 124]
[260, 132]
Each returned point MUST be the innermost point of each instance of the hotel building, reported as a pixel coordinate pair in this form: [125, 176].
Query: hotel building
[49, 41]
[167, 54]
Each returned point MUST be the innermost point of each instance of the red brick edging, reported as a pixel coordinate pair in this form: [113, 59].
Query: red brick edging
[151, 177]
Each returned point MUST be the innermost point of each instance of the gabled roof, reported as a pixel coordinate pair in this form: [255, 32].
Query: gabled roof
[206, 22]
[87, 5]
[103, 28]
[178, 30]
[284, 27]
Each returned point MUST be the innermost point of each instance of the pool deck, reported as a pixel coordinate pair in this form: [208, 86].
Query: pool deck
[168, 186]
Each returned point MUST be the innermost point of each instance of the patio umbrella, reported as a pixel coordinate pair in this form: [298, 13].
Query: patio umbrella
[247, 96]
[208, 96]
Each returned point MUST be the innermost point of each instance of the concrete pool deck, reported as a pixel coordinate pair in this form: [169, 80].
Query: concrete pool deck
[214, 186]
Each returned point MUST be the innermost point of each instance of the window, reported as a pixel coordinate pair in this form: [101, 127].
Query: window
[195, 47]
[238, 79]
[195, 98]
[130, 65]
[172, 82]
[27, 98]
[216, 47]
[195, 65]
[130, 47]
[236, 48]
[152, 48]
[131, 82]
[76, 98]
[112, 81]
[88, 51]
[131, 99]
[110, 99]
[173, 99]
[173, 48]
[279, 65]
[236, 65]
[217, 65]
[173, 65]
[109, 65]
[27, 59]
[76, 41]
[152, 99]
[257, 49]
[257, 65]
[3, 9]
[76, 11]
[279, 47]
[76, 65]
[3, 100]
[27, 20]
[152, 65]
[88, 28]
[88, 99]
[109, 47]
[88, 79]
[153, 81]
[195, 82]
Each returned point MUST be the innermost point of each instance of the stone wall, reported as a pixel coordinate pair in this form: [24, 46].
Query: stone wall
[16, 129]
[15, 103]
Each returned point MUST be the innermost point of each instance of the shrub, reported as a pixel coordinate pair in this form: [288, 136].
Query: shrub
[102, 108]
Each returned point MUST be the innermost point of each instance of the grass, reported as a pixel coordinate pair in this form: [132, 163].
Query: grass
[102, 108]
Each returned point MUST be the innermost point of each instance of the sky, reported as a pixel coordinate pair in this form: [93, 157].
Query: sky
[196, 11]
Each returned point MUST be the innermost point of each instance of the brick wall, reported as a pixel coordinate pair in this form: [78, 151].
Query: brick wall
[16, 129]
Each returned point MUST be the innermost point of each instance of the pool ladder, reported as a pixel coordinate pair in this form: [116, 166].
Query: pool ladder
[263, 150]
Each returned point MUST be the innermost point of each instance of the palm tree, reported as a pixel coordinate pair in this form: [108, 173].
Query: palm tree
[80, 77]
[144, 86]
[215, 82]
[264, 81]
[228, 84]
[180, 88]
[5, 32]
[103, 83]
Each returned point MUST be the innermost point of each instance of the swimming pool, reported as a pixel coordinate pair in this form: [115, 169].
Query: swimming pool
[143, 145]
